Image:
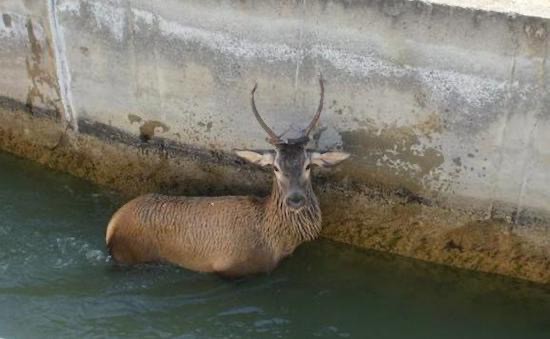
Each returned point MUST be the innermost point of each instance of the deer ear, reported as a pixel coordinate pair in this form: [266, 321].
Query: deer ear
[262, 159]
[328, 159]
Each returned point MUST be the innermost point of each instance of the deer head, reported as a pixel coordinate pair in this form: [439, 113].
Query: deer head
[291, 161]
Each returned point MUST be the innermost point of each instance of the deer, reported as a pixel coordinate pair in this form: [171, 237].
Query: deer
[232, 236]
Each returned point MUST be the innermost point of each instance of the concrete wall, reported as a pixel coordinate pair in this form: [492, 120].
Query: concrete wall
[448, 103]
[27, 56]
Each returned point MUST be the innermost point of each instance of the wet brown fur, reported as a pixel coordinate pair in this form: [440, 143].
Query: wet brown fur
[232, 235]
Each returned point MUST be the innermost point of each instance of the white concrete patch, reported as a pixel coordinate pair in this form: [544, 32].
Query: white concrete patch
[145, 16]
[69, 6]
[475, 90]
[108, 15]
[229, 45]
[364, 65]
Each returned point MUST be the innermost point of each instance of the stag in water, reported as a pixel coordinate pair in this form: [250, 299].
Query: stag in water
[230, 235]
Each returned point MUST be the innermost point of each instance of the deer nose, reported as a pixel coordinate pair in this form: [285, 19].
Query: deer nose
[295, 200]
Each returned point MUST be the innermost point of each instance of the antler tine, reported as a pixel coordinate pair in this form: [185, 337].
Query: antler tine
[273, 138]
[319, 109]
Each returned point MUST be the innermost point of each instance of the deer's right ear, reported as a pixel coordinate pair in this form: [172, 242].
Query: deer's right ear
[328, 159]
[262, 159]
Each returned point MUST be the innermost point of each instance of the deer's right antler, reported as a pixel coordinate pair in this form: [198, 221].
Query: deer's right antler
[317, 115]
[273, 138]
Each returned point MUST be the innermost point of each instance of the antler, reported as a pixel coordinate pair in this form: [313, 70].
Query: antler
[273, 138]
[319, 109]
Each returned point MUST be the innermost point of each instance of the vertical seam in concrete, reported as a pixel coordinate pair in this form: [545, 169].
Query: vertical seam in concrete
[132, 62]
[500, 139]
[526, 170]
[158, 71]
[529, 161]
[62, 66]
[300, 51]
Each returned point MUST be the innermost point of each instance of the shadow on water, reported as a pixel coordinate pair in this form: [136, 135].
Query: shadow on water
[56, 281]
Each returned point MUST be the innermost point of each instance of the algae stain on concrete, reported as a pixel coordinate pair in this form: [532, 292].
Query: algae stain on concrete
[392, 157]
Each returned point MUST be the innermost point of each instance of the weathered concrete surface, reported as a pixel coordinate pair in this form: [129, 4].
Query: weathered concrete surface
[27, 61]
[443, 108]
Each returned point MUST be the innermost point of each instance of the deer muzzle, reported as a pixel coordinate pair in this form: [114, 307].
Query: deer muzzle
[295, 200]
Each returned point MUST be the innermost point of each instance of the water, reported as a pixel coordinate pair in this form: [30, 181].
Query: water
[56, 281]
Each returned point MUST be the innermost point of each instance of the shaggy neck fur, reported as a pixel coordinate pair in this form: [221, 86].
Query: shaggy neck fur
[288, 228]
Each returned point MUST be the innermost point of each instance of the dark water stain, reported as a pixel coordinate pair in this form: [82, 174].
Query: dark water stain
[134, 118]
[457, 161]
[391, 158]
[208, 125]
[11, 105]
[7, 20]
[85, 50]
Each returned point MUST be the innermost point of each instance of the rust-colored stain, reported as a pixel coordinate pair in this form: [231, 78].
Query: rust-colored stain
[40, 69]
[148, 127]
[147, 130]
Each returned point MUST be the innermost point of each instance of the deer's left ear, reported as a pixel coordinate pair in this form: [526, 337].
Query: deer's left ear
[262, 159]
[328, 159]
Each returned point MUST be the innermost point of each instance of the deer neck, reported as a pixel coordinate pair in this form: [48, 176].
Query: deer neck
[285, 228]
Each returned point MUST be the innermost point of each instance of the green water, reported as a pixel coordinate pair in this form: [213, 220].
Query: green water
[56, 281]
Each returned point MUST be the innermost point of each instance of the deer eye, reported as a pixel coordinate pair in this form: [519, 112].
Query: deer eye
[308, 167]
[276, 169]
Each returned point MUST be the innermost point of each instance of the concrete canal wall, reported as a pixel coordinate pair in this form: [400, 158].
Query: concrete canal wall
[445, 110]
